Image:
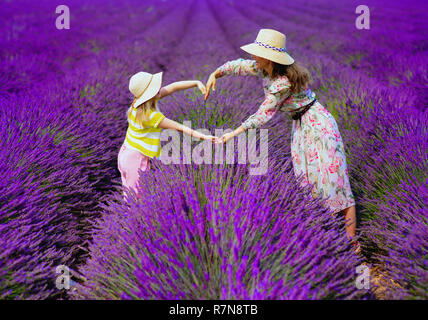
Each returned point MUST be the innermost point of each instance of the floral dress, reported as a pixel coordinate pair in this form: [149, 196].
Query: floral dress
[316, 145]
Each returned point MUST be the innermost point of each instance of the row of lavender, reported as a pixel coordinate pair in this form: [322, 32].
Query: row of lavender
[393, 51]
[215, 232]
[62, 118]
[227, 251]
[384, 127]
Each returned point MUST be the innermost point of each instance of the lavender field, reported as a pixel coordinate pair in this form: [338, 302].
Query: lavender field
[208, 231]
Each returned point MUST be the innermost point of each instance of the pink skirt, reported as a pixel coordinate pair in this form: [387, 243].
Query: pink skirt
[129, 162]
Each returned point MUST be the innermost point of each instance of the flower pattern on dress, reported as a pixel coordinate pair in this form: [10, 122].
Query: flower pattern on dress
[317, 149]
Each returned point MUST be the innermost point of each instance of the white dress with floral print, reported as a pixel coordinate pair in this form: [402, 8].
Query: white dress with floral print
[316, 145]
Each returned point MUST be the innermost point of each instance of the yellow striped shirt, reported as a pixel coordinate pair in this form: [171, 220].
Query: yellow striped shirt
[146, 138]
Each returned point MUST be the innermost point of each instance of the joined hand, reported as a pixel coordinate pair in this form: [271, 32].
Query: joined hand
[224, 138]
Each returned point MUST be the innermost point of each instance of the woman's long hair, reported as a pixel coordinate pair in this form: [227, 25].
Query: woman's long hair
[143, 110]
[299, 76]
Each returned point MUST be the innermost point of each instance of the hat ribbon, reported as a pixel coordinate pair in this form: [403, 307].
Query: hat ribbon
[139, 96]
[270, 47]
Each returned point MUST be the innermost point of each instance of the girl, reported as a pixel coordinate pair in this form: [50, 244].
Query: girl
[145, 124]
[316, 148]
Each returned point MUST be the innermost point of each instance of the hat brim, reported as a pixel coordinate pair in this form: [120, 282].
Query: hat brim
[270, 54]
[152, 90]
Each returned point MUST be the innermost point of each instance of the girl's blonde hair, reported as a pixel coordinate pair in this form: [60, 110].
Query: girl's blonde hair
[143, 110]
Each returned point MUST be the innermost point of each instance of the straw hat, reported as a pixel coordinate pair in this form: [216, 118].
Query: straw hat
[144, 86]
[270, 44]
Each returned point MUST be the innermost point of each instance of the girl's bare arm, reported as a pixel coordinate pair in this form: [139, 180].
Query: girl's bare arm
[180, 85]
[171, 124]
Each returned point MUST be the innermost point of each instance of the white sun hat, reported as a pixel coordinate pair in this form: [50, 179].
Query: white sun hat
[270, 44]
[144, 86]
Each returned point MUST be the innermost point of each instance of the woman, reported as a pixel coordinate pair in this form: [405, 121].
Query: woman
[317, 148]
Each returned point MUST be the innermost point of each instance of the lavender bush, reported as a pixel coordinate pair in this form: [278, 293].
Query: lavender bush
[198, 244]
[399, 236]
[391, 182]
[63, 98]
[58, 158]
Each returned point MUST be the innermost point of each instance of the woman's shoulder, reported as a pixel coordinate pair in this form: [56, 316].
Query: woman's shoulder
[241, 62]
[240, 66]
[248, 64]
[278, 84]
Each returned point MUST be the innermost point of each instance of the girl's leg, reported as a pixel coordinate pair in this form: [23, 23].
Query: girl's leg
[130, 161]
[138, 161]
[120, 167]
